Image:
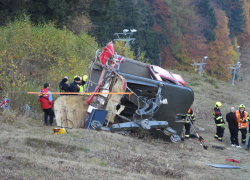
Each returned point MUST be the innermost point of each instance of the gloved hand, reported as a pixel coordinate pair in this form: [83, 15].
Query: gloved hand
[223, 126]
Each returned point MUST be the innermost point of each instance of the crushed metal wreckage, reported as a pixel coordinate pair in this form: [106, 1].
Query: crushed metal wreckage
[153, 102]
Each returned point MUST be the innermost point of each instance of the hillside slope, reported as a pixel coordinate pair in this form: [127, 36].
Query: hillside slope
[28, 151]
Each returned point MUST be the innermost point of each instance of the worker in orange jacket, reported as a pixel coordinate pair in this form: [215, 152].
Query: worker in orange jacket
[242, 118]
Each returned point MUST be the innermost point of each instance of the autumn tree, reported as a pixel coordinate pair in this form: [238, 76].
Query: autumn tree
[221, 52]
[244, 37]
[207, 11]
[235, 14]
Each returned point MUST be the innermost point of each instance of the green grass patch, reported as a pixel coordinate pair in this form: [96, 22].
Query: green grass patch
[194, 84]
[40, 143]
[103, 164]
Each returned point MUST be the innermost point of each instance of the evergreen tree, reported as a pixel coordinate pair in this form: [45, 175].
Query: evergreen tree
[235, 14]
[9, 9]
[236, 20]
[207, 11]
[112, 17]
[40, 10]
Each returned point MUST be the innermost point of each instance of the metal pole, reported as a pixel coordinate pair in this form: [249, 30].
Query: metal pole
[234, 76]
[160, 59]
[238, 58]
[238, 52]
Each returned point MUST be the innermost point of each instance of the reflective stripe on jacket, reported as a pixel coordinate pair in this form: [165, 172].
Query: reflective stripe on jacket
[190, 114]
[218, 117]
[242, 116]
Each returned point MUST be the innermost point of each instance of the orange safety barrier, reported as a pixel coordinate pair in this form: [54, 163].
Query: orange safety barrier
[71, 93]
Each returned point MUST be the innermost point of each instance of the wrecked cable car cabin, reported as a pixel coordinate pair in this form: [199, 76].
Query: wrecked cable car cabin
[143, 99]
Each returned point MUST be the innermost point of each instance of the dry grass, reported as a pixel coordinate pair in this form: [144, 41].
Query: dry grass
[28, 151]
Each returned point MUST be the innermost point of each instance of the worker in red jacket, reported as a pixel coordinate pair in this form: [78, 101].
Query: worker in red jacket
[46, 100]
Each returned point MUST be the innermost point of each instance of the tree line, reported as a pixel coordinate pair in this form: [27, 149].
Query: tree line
[175, 31]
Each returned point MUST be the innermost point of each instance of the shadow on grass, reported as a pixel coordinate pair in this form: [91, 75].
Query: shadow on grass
[40, 143]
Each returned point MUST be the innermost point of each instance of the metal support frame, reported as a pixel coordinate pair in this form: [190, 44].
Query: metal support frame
[200, 65]
[128, 38]
[235, 67]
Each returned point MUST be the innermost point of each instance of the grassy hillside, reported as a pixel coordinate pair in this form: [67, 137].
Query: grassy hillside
[31, 152]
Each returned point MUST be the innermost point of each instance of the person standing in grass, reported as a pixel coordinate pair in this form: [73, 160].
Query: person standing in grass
[242, 118]
[65, 85]
[219, 121]
[62, 84]
[233, 127]
[74, 86]
[46, 100]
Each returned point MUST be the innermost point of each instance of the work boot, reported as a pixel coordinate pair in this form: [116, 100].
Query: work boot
[220, 140]
[215, 137]
[247, 149]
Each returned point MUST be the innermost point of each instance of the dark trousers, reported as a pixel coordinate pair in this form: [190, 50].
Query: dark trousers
[243, 135]
[248, 145]
[234, 135]
[187, 128]
[48, 112]
[219, 132]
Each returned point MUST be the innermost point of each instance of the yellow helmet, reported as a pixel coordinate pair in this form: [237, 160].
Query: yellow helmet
[218, 104]
[75, 76]
[242, 106]
[84, 78]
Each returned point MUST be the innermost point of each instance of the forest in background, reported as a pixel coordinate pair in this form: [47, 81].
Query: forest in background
[175, 31]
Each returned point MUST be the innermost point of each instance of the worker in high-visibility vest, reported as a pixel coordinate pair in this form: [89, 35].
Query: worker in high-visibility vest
[219, 121]
[84, 79]
[187, 123]
[242, 118]
[80, 85]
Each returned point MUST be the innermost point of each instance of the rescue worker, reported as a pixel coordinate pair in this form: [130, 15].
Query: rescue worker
[65, 85]
[233, 127]
[46, 101]
[84, 79]
[80, 85]
[74, 85]
[61, 83]
[219, 121]
[242, 118]
[187, 123]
